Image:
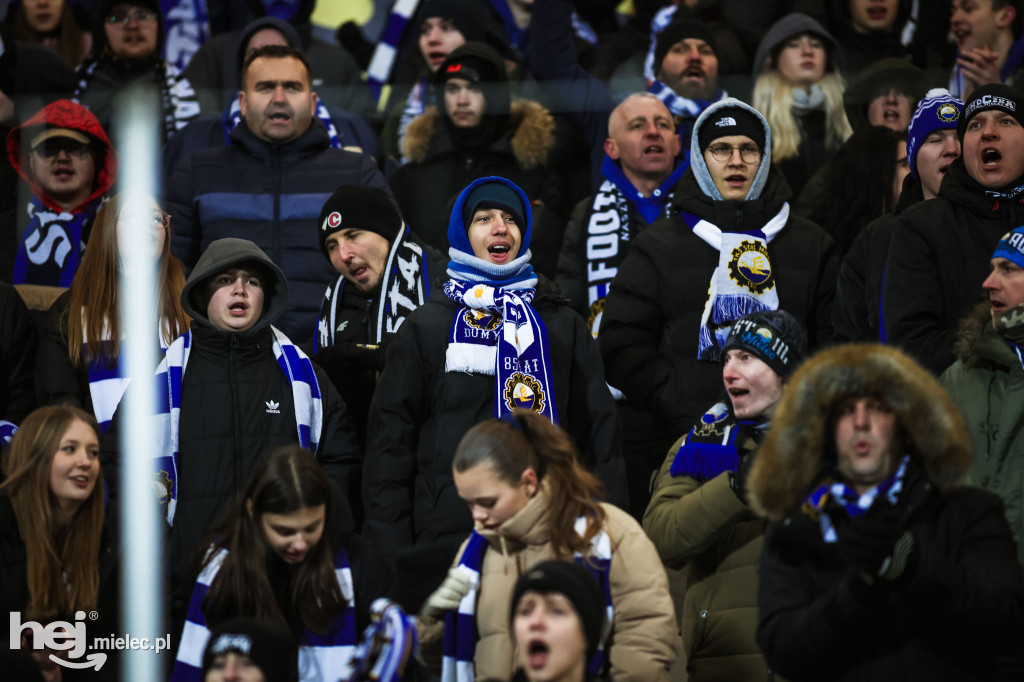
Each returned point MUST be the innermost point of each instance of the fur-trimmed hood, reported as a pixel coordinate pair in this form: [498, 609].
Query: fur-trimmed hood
[532, 134]
[789, 461]
[978, 344]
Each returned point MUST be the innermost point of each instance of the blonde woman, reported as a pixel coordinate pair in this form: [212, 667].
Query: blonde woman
[799, 89]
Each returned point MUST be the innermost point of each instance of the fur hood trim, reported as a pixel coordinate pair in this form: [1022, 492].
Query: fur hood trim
[969, 334]
[789, 461]
[531, 142]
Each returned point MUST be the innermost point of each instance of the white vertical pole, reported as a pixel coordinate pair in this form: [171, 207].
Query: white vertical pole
[141, 532]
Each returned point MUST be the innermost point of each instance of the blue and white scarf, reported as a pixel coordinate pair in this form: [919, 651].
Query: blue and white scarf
[497, 332]
[742, 283]
[52, 244]
[711, 446]
[322, 658]
[186, 28]
[305, 393]
[383, 60]
[460, 631]
[389, 642]
[233, 116]
[851, 501]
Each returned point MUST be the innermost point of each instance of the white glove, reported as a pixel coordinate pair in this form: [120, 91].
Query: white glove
[448, 595]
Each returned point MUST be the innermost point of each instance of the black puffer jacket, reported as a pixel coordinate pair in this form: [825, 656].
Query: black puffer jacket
[227, 421]
[17, 356]
[651, 321]
[420, 412]
[940, 254]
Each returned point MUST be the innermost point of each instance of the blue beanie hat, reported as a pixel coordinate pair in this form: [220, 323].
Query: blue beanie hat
[1011, 247]
[489, 192]
[939, 110]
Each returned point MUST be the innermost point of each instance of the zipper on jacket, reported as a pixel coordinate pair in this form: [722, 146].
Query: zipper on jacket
[236, 417]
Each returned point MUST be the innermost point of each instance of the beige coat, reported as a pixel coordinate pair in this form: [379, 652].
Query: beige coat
[643, 637]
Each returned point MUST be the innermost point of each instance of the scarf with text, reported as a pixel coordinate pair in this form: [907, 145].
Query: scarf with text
[186, 28]
[742, 283]
[233, 116]
[305, 393]
[51, 246]
[851, 501]
[321, 657]
[406, 287]
[460, 631]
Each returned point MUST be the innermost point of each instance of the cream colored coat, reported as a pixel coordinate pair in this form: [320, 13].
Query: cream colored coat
[642, 645]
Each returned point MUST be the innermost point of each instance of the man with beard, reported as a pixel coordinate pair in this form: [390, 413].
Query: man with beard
[940, 249]
[270, 183]
[685, 65]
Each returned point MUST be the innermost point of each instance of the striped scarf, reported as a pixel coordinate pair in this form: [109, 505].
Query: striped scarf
[232, 116]
[305, 393]
[322, 658]
[186, 28]
[853, 502]
[742, 283]
[383, 60]
[460, 632]
[389, 642]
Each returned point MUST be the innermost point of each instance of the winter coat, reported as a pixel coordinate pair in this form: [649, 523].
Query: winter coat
[651, 321]
[14, 590]
[940, 254]
[18, 343]
[58, 380]
[437, 171]
[856, 311]
[704, 526]
[643, 631]
[420, 412]
[226, 425]
[955, 613]
[987, 383]
[270, 194]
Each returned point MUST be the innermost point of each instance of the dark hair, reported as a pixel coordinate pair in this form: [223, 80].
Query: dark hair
[1018, 20]
[285, 481]
[859, 184]
[525, 440]
[277, 52]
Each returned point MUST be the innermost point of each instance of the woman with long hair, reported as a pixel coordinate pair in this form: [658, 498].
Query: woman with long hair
[799, 89]
[532, 501]
[52, 24]
[286, 553]
[55, 559]
[80, 340]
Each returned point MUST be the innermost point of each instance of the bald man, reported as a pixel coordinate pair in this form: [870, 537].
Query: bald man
[640, 169]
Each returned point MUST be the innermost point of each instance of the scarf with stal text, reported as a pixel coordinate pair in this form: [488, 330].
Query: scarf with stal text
[52, 244]
[186, 28]
[742, 283]
[305, 393]
[851, 501]
[233, 116]
[177, 98]
[460, 632]
[497, 332]
[321, 657]
[406, 288]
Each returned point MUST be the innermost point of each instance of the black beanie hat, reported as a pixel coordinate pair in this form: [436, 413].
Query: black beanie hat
[578, 586]
[731, 121]
[494, 195]
[357, 206]
[774, 336]
[680, 29]
[269, 645]
[992, 96]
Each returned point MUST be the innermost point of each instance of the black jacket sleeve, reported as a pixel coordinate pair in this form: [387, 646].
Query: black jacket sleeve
[17, 356]
[58, 381]
[572, 268]
[338, 450]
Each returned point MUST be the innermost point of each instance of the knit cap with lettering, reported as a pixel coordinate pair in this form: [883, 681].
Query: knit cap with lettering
[994, 96]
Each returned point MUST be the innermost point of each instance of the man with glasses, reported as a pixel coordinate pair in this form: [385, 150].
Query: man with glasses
[69, 165]
[126, 51]
[729, 247]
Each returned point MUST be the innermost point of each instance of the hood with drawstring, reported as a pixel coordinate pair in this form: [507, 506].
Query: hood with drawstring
[700, 166]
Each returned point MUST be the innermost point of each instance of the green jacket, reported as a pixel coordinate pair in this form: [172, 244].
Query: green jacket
[987, 383]
[706, 526]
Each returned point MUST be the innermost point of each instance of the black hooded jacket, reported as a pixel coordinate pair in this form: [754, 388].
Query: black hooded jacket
[940, 255]
[236, 405]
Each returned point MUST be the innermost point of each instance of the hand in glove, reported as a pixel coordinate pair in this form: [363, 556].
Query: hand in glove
[448, 595]
[877, 543]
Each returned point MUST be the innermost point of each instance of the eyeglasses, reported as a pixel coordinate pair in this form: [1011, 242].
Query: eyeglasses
[52, 147]
[723, 152]
[155, 219]
[121, 17]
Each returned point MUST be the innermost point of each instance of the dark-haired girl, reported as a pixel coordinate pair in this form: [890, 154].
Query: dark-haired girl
[531, 501]
[286, 553]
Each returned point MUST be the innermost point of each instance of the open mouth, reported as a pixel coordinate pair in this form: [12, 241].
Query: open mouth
[877, 13]
[358, 271]
[991, 158]
[279, 116]
[436, 56]
[537, 654]
[63, 172]
[891, 115]
[943, 169]
[738, 392]
[654, 149]
[736, 180]
[694, 72]
[238, 308]
[500, 249]
[80, 481]
[960, 33]
[997, 305]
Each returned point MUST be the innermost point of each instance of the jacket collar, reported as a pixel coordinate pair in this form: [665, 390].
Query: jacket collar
[314, 140]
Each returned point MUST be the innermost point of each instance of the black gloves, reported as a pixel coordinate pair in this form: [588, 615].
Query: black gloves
[878, 544]
[738, 478]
